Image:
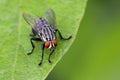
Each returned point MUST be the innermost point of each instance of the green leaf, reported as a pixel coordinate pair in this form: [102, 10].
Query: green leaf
[14, 34]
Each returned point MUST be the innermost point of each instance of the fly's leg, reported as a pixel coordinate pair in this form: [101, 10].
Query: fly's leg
[33, 46]
[61, 37]
[42, 54]
[50, 55]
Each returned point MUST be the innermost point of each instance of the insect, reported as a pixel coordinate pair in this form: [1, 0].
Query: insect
[44, 29]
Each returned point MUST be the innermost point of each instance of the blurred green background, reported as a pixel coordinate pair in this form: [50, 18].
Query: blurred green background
[95, 54]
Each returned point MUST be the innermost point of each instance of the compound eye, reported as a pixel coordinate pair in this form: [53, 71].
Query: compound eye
[55, 43]
[47, 44]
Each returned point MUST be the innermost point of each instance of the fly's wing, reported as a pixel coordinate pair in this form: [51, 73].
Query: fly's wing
[30, 20]
[50, 17]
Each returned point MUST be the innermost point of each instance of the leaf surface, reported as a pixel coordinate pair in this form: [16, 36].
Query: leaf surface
[15, 39]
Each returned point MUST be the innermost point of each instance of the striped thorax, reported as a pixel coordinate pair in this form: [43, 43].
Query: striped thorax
[46, 32]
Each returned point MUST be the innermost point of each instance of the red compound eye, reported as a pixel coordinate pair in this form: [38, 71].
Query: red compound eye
[47, 44]
[55, 43]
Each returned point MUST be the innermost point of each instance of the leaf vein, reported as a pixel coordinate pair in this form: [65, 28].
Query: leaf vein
[18, 43]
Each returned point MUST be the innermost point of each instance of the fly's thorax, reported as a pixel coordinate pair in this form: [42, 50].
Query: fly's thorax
[50, 44]
[46, 34]
[44, 30]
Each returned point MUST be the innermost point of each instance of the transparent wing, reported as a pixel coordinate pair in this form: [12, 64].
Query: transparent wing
[30, 20]
[50, 17]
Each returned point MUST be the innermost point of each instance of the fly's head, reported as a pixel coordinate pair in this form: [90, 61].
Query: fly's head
[51, 44]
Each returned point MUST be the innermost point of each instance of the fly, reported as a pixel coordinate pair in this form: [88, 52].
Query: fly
[44, 29]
